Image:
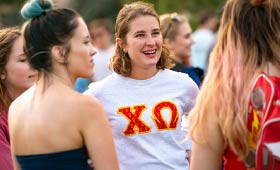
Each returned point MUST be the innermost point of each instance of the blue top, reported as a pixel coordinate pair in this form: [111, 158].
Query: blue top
[75, 159]
[195, 73]
[81, 84]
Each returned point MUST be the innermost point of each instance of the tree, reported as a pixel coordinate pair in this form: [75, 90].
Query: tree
[91, 9]
[189, 7]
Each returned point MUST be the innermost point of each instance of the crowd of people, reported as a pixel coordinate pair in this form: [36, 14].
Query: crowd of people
[150, 94]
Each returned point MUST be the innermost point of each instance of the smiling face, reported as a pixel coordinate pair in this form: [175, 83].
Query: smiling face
[18, 75]
[143, 43]
[80, 57]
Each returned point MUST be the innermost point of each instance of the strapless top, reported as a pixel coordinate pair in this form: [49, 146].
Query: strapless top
[75, 159]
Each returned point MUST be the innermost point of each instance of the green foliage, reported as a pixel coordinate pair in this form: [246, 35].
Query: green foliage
[11, 1]
[9, 13]
[164, 6]
[91, 9]
[11, 19]
[189, 7]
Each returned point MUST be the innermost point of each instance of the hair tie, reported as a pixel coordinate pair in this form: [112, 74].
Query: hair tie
[34, 8]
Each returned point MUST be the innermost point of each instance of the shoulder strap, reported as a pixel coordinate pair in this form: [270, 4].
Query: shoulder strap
[267, 86]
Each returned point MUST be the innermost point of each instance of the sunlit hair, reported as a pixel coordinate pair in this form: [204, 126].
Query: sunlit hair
[170, 24]
[249, 37]
[7, 39]
[121, 62]
[170, 28]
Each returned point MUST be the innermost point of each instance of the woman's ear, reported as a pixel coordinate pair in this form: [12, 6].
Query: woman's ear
[120, 44]
[58, 54]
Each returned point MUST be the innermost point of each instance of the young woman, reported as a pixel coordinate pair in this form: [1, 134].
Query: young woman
[145, 101]
[248, 44]
[51, 125]
[177, 36]
[16, 76]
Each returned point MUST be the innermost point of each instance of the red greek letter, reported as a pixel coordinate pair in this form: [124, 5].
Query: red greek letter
[135, 124]
[158, 118]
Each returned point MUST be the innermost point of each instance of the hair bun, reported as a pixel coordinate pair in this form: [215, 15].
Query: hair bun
[35, 8]
[258, 2]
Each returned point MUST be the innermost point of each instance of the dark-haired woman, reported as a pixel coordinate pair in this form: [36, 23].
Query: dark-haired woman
[51, 125]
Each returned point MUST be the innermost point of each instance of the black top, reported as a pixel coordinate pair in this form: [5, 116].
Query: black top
[75, 159]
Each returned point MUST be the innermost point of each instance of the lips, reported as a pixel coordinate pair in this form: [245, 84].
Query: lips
[91, 60]
[150, 52]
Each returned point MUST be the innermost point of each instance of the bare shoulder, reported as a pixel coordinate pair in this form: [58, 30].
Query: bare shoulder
[88, 102]
[87, 106]
[20, 103]
[18, 107]
[88, 115]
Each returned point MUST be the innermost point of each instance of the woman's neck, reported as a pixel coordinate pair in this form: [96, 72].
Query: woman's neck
[47, 80]
[14, 93]
[62, 79]
[143, 74]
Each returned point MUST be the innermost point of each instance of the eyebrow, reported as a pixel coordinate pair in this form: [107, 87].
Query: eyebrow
[137, 32]
[20, 55]
[156, 29]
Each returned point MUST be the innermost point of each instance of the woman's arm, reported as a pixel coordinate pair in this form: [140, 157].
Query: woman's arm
[98, 136]
[15, 163]
[208, 156]
[12, 124]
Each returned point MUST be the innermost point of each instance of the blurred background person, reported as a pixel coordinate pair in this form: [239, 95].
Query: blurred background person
[177, 37]
[204, 39]
[16, 76]
[101, 31]
[51, 125]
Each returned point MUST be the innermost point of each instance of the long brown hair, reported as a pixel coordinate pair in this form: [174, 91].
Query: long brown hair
[249, 37]
[121, 63]
[7, 39]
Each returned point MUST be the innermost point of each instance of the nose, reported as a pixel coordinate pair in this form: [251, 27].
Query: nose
[92, 50]
[150, 40]
[33, 69]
